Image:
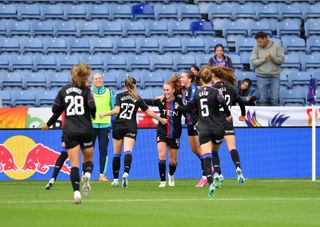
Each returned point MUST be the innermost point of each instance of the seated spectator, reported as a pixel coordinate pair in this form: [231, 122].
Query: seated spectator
[219, 58]
[245, 91]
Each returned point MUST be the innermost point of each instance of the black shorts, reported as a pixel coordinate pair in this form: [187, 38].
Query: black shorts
[84, 140]
[228, 128]
[118, 133]
[206, 136]
[171, 142]
[192, 130]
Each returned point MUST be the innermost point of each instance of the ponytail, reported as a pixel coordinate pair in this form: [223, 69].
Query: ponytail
[80, 74]
[226, 74]
[205, 75]
[130, 84]
[175, 83]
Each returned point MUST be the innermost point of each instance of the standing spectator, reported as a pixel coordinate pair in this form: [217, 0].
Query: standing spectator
[104, 100]
[219, 58]
[245, 91]
[267, 57]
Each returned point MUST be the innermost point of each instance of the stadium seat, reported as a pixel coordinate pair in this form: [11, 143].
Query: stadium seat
[269, 12]
[183, 61]
[98, 12]
[211, 42]
[32, 46]
[294, 45]
[179, 28]
[161, 62]
[6, 99]
[57, 80]
[202, 60]
[67, 61]
[202, 28]
[166, 11]
[95, 61]
[284, 80]
[136, 75]
[259, 26]
[111, 28]
[20, 62]
[35, 80]
[290, 28]
[88, 28]
[24, 98]
[138, 62]
[250, 75]
[189, 12]
[312, 12]
[143, 11]
[134, 28]
[19, 28]
[75, 12]
[313, 45]
[55, 45]
[146, 93]
[111, 79]
[116, 62]
[147, 45]
[4, 62]
[43, 28]
[291, 63]
[78, 45]
[224, 11]
[4, 30]
[170, 45]
[121, 12]
[152, 79]
[290, 12]
[8, 12]
[245, 45]
[52, 12]
[236, 61]
[125, 45]
[234, 28]
[310, 62]
[312, 28]
[193, 44]
[46, 99]
[45, 62]
[296, 96]
[12, 80]
[157, 28]
[317, 76]
[244, 12]
[29, 12]
[299, 78]
[101, 45]
[65, 29]
[10, 45]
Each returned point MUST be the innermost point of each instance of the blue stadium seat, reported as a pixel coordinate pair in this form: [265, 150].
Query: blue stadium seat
[45, 62]
[95, 61]
[299, 78]
[4, 62]
[29, 12]
[313, 45]
[121, 12]
[35, 80]
[67, 61]
[42, 28]
[116, 62]
[136, 75]
[152, 79]
[202, 60]
[98, 12]
[290, 11]
[312, 28]
[170, 45]
[284, 81]
[55, 45]
[134, 28]
[317, 76]
[75, 12]
[310, 62]
[138, 62]
[244, 12]
[125, 45]
[57, 80]
[32, 46]
[234, 28]
[24, 98]
[4, 30]
[52, 12]
[146, 93]
[88, 28]
[269, 14]
[101, 45]
[202, 28]
[161, 62]
[183, 61]
[296, 96]
[111, 79]
[12, 80]
[65, 28]
[249, 75]
[147, 45]
[6, 99]
[79, 45]
[290, 28]
[46, 98]
[64, 1]
[259, 26]
[10, 45]
[236, 61]
[20, 62]
[189, 12]
[143, 11]
[19, 28]
[179, 28]
[224, 11]
[166, 11]
[211, 42]
[245, 45]
[157, 28]
[111, 28]
[193, 44]
[294, 45]
[8, 11]
[291, 63]
[312, 12]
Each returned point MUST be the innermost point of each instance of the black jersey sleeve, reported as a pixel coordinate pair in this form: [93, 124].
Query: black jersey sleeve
[58, 106]
[186, 108]
[223, 103]
[53, 119]
[118, 100]
[152, 102]
[142, 105]
[91, 104]
[237, 98]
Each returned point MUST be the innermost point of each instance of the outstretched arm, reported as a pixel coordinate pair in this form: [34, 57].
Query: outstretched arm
[114, 111]
[155, 116]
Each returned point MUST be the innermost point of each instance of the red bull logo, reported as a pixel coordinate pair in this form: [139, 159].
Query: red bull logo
[21, 157]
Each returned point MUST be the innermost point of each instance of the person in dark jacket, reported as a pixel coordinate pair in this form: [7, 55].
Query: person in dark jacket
[246, 92]
[219, 58]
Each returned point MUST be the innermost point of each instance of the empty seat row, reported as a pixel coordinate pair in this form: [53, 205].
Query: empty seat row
[105, 45]
[257, 1]
[292, 79]
[90, 1]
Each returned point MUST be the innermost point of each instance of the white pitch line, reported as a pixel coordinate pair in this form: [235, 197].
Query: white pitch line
[161, 200]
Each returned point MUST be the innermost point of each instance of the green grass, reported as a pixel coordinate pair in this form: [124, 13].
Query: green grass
[258, 203]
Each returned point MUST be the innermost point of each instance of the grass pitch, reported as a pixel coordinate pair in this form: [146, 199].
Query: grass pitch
[258, 203]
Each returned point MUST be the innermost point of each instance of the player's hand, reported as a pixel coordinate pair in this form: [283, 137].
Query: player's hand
[242, 118]
[248, 98]
[229, 118]
[45, 127]
[161, 97]
[163, 121]
[176, 106]
[101, 115]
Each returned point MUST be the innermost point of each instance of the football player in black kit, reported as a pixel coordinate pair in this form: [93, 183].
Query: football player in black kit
[168, 136]
[224, 80]
[125, 128]
[77, 102]
[210, 123]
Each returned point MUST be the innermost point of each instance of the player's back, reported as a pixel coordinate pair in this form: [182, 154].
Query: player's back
[229, 95]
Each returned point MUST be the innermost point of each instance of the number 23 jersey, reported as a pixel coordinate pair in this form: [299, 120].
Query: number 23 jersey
[128, 110]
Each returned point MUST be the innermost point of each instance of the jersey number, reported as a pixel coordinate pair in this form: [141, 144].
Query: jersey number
[127, 111]
[204, 107]
[228, 100]
[75, 105]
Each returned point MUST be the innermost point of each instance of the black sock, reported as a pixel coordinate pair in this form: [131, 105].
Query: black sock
[207, 167]
[162, 170]
[172, 169]
[116, 165]
[201, 162]
[75, 178]
[235, 158]
[127, 161]
[88, 167]
[59, 163]
[216, 162]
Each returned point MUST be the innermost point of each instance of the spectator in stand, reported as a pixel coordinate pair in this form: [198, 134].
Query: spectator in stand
[219, 58]
[267, 57]
[195, 70]
[245, 91]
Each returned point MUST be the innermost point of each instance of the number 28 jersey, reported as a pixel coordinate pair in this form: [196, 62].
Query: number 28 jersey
[128, 110]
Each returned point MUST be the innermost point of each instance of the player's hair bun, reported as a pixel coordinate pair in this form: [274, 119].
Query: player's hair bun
[80, 74]
[205, 75]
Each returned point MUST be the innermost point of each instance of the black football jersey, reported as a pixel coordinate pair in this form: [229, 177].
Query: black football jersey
[188, 95]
